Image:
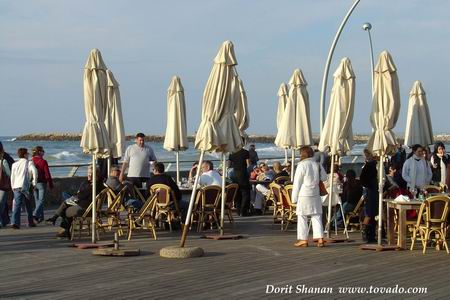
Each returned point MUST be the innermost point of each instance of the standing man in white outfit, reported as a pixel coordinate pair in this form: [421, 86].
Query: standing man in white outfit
[306, 194]
[23, 174]
[416, 170]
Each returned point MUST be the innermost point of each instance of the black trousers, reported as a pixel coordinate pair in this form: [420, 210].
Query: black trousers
[67, 213]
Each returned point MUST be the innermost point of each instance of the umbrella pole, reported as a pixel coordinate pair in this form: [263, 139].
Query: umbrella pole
[292, 163]
[285, 156]
[191, 202]
[177, 154]
[222, 208]
[108, 165]
[330, 195]
[380, 198]
[94, 192]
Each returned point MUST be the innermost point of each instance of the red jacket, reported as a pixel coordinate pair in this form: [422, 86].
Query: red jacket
[43, 171]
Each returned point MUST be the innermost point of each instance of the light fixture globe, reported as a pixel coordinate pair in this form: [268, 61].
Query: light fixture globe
[367, 26]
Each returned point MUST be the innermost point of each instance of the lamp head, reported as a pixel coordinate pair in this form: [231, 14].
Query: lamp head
[367, 26]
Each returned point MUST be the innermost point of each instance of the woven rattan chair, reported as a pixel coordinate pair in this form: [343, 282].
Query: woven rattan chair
[432, 219]
[208, 207]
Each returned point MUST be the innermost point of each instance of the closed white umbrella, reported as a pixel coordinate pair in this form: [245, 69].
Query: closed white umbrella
[282, 100]
[241, 114]
[384, 116]
[176, 134]
[337, 132]
[286, 137]
[219, 129]
[95, 138]
[299, 94]
[113, 118]
[418, 122]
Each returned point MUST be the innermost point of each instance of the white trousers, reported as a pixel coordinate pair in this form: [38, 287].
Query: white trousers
[261, 192]
[303, 229]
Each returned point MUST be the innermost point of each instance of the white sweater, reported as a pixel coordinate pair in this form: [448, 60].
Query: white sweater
[417, 173]
[20, 178]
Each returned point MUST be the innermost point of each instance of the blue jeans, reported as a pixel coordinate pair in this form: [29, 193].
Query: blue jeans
[39, 193]
[20, 197]
[4, 220]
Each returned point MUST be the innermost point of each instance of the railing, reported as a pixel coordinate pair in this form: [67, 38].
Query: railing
[71, 169]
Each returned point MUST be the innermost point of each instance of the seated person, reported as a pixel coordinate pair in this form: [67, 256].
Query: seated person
[262, 190]
[351, 193]
[288, 168]
[113, 182]
[77, 204]
[209, 175]
[266, 174]
[193, 172]
[160, 177]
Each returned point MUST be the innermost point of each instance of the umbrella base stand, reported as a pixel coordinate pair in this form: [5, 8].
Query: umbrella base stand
[333, 240]
[378, 248]
[181, 252]
[92, 245]
[218, 237]
[116, 251]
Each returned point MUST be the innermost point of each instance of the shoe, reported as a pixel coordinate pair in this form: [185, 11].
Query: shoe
[301, 244]
[14, 226]
[37, 220]
[32, 224]
[52, 220]
[320, 243]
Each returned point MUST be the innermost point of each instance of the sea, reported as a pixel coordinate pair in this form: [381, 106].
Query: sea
[60, 153]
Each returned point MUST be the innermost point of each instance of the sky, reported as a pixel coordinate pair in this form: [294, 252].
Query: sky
[44, 45]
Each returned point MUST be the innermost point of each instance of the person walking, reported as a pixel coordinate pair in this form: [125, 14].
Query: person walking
[5, 188]
[137, 159]
[44, 179]
[23, 175]
[369, 181]
[240, 161]
[306, 194]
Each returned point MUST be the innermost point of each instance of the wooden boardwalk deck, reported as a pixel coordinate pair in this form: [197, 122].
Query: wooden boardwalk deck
[35, 265]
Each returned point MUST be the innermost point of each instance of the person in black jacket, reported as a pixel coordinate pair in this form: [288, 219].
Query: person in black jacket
[439, 162]
[240, 161]
[368, 178]
[77, 204]
[160, 177]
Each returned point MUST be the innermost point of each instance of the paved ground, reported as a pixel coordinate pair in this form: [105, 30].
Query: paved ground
[35, 265]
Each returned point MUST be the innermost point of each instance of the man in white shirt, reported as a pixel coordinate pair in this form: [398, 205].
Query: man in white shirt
[137, 159]
[23, 174]
[209, 175]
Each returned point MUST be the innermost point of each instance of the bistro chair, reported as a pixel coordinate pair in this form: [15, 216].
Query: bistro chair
[230, 193]
[208, 206]
[432, 218]
[115, 208]
[145, 217]
[279, 206]
[290, 213]
[432, 189]
[84, 221]
[353, 218]
[282, 179]
[166, 206]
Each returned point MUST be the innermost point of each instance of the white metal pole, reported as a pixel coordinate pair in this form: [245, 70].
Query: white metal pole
[222, 207]
[292, 163]
[191, 201]
[94, 193]
[285, 156]
[380, 198]
[178, 167]
[327, 65]
[330, 195]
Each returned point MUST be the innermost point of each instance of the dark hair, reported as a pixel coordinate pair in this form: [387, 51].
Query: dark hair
[210, 164]
[1, 147]
[437, 145]
[395, 166]
[140, 135]
[36, 150]
[306, 152]
[21, 152]
[414, 149]
[350, 174]
[159, 167]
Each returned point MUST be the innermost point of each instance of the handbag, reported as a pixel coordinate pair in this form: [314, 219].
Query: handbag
[5, 182]
[322, 189]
